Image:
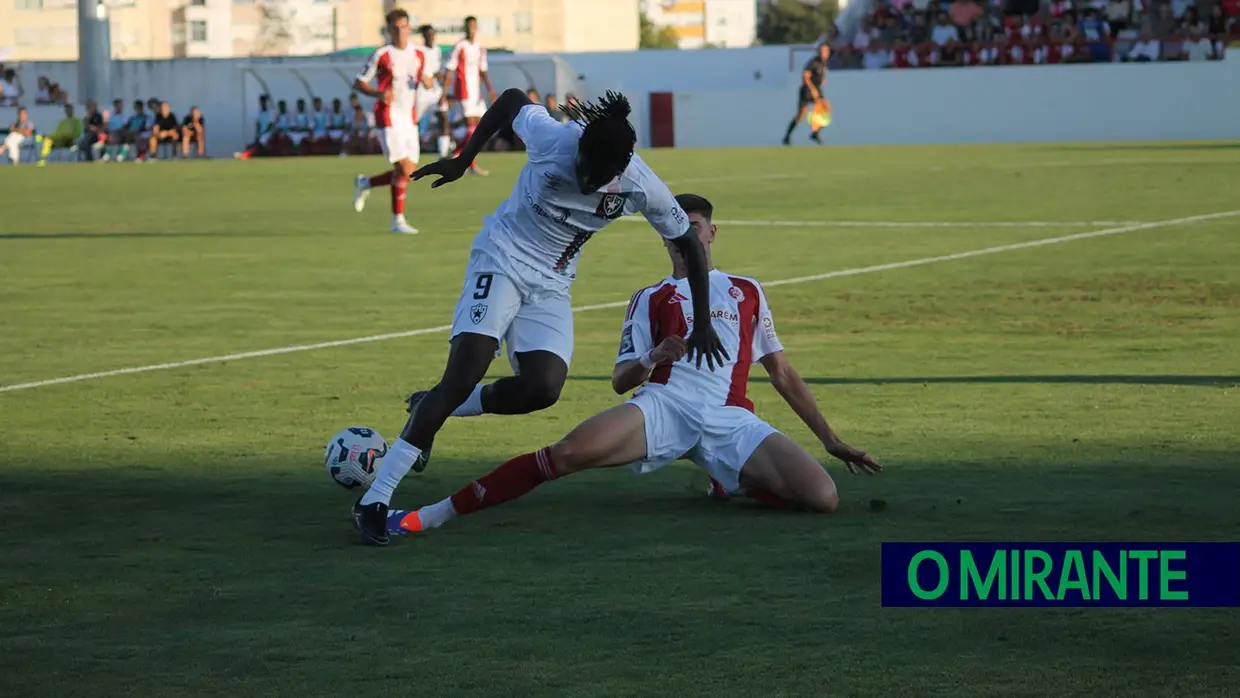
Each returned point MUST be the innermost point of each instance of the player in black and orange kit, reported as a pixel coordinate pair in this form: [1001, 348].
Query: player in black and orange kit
[812, 79]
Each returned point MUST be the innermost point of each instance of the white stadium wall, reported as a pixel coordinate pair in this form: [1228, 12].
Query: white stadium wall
[744, 97]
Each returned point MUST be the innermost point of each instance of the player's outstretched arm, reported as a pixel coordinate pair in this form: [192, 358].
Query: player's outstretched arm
[499, 116]
[792, 388]
[703, 342]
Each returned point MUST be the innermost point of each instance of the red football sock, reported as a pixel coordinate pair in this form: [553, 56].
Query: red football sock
[381, 180]
[770, 499]
[398, 195]
[507, 482]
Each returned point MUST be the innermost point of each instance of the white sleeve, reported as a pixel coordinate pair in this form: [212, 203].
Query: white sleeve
[636, 337]
[482, 60]
[537, 129]
[765, 341]
[661, 210]
[371, 68]
[454, 58]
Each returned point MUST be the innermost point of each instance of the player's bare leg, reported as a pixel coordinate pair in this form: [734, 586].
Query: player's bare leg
[397, 180]
[614, 437]
[468, 360]
[445, 138]
[782, 474]
[536, 386]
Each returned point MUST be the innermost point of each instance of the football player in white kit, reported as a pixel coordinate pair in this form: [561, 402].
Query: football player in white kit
[579, 177]
[434, 96]
[467, 75]
[398, 70]
[682, 411]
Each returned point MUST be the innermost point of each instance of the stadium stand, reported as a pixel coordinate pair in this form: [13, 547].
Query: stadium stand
[930, 33]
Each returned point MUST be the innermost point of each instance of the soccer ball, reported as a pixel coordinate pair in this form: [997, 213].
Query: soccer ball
[353, 456]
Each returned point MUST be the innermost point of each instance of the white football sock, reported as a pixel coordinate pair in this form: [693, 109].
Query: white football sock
[396, 464]
[445, 146]
[437, 514]
[472, 407]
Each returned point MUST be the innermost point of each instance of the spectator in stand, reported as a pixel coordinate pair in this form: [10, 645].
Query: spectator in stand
[919, 33]
[553, 108]
[297, 126]
[131, 133]
[965, 12]
[1163, 22]
[116, 128]
[361, 130]
[1097, 35]
[49, 92]
[1147, 50]
[164, 129]
[10, 88]
[1220, 26]
[947, 38]
[1119, 15]
[67, 134]
[319, 118]
[1197, 47]
[95, 135]
[21, 130]
[194, 131]
[1188, 21]
[337, 126]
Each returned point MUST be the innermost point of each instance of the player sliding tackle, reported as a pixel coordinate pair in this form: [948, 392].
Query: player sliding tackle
[579, 177]
[682, 410]
[398, 69]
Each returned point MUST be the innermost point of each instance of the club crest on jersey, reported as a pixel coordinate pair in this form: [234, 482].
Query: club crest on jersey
[611, 206]
[736, 294]
[477, 311]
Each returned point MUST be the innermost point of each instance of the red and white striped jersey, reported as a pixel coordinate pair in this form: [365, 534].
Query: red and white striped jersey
[740, 316]
[469, 61]
[401, 70]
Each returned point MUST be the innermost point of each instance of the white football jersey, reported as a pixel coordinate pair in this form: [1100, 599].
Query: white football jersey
[432, 62]
[741, 318]
[400, 70]
[546, 220]
[469, 61]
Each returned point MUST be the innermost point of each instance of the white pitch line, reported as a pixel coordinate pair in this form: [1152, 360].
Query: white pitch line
[910, 224]
[620, 304]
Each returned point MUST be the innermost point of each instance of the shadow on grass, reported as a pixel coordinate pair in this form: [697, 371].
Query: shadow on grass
[1081, 379]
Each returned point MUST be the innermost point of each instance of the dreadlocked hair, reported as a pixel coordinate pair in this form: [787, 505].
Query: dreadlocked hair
[608, 139]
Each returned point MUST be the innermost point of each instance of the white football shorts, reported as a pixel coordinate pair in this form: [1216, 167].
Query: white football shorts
[401, 142]
[473, 107]
[717, 439]
[497, 303]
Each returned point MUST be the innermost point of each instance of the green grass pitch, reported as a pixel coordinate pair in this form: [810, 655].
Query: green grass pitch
[173, 532]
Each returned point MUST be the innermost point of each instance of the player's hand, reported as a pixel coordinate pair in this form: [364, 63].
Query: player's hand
[670, 350]
[387, 95]
[856, 459]
[448, 170]
[704, 343]
[491, 96]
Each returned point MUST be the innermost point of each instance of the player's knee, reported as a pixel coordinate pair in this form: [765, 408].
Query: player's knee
[569, 456]
[542, 392]
[824, 499]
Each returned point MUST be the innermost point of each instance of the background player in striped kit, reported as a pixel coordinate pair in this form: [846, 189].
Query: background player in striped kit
[397, 70]
[467, 75]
